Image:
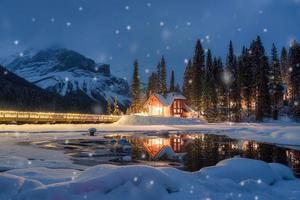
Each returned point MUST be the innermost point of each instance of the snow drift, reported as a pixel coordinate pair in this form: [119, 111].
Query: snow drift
[150, 120]
[235, 178]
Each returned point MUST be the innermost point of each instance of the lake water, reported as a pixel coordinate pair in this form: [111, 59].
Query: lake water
[186, 151]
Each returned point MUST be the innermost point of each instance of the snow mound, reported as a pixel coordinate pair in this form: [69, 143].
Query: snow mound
[282, 171]
[13, 185]
[240, 170]
[150, 120]
[45, 175]
[131, 182]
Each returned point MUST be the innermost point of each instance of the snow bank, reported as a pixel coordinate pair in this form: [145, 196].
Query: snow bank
[150, 120]
[241, 169]
[235, 178]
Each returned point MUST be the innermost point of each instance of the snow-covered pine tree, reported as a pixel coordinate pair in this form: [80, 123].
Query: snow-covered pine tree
[284, 66]
[198, 76]
[187, 88]
[276, 85]
[152, 84]
[172, 82]
[135, 89]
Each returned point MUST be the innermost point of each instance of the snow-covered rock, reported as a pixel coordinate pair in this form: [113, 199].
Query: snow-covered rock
[150, 120]
[65, 71]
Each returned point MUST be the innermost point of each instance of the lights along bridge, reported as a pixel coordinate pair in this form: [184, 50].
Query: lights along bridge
[41, 117]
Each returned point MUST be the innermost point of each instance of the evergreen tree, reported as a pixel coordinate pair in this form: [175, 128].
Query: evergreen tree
[222, 92]
[276, 86]
[210, 95]
[187, 83]
[234, 85]
[135, 89]
[116, 107]
[177, 88]
[158, 73]
[152, 84]
[172, 82]
[294, 62]
[198, 76]
[260, 62]
[109, 110]
[284, 66]
[163, 77]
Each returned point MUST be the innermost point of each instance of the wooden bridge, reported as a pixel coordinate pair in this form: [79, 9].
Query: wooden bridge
[43, 117]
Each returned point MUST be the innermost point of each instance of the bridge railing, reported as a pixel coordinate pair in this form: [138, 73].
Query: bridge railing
[41, 117]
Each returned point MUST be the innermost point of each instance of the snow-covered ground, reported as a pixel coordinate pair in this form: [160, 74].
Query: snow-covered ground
[32, 173]
[230, 179]
[282, 132]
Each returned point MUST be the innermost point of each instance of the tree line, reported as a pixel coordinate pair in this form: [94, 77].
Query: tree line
[251, 84]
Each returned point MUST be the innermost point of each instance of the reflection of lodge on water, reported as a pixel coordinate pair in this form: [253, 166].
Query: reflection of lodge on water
[224, 147]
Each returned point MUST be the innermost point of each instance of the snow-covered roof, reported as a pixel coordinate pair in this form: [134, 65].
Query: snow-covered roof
[170, 97]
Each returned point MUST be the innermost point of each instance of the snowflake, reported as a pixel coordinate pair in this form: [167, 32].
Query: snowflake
[188, 23]
[256, 198]
[190, 81]
[168, 47]
[16, 42]
[148, 55]
[68, 23]
[151, 182]
[296, 103]
[207, 37]
[242, 183]
[95, 79]
[259, 181]
[29, 162]
[161, 23]
[186, 61]
[202, 40]
[33, 19]
[90, 154]
[127, 7]
[5, 72]
[239, 29]
[147, 71]
[66, 79]
[80, 8]
[21, 54]
[135, 179]
[52, 19]
[290, 69]
[128, 27]
[148, 4]
[265, 30]
[117, 32]
[239, 195]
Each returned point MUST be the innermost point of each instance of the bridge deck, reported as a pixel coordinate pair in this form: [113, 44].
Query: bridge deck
[40, 117]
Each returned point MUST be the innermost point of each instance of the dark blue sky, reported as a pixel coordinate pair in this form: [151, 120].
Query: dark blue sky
[118, 31]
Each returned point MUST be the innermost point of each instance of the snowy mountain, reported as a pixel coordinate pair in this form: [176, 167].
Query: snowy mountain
[65, 71]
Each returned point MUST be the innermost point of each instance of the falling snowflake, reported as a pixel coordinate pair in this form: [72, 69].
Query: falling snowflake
[5, 72]
[148, 55]
[33, 19]
[68, 23]
[21, 54]
[127, 7]
[90, 154]
[290, 69]
[259, 181]
[29, 162]
[128, 27]
[147, 71]
[52, 19]
[161, 23]
[186, 61]
[168, 47]
[296, 103]
[151, 182]
[265, 30]
[239, 29]
[148, 4]
[190, 81]
[256, 198]
[188, 23]
[135, 179]
[80, 8]
[207, 37]
[16, 42]
[117, 32]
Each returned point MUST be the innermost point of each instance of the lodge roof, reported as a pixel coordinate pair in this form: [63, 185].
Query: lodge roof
[170, 98]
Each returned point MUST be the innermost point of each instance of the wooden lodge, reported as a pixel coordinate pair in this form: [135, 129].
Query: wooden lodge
[171, 105]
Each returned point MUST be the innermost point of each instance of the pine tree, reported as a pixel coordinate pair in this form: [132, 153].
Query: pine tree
[135, 89]
[109, 111]
[234, 85]
[294, 62]
[187, 83]
[284, 66]
[163, 77]
[222, 92]
[276, 86]
[210, 94]
[116, 107]
[152, 84]
[260, 62]
[198, 76]
[172, 82]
